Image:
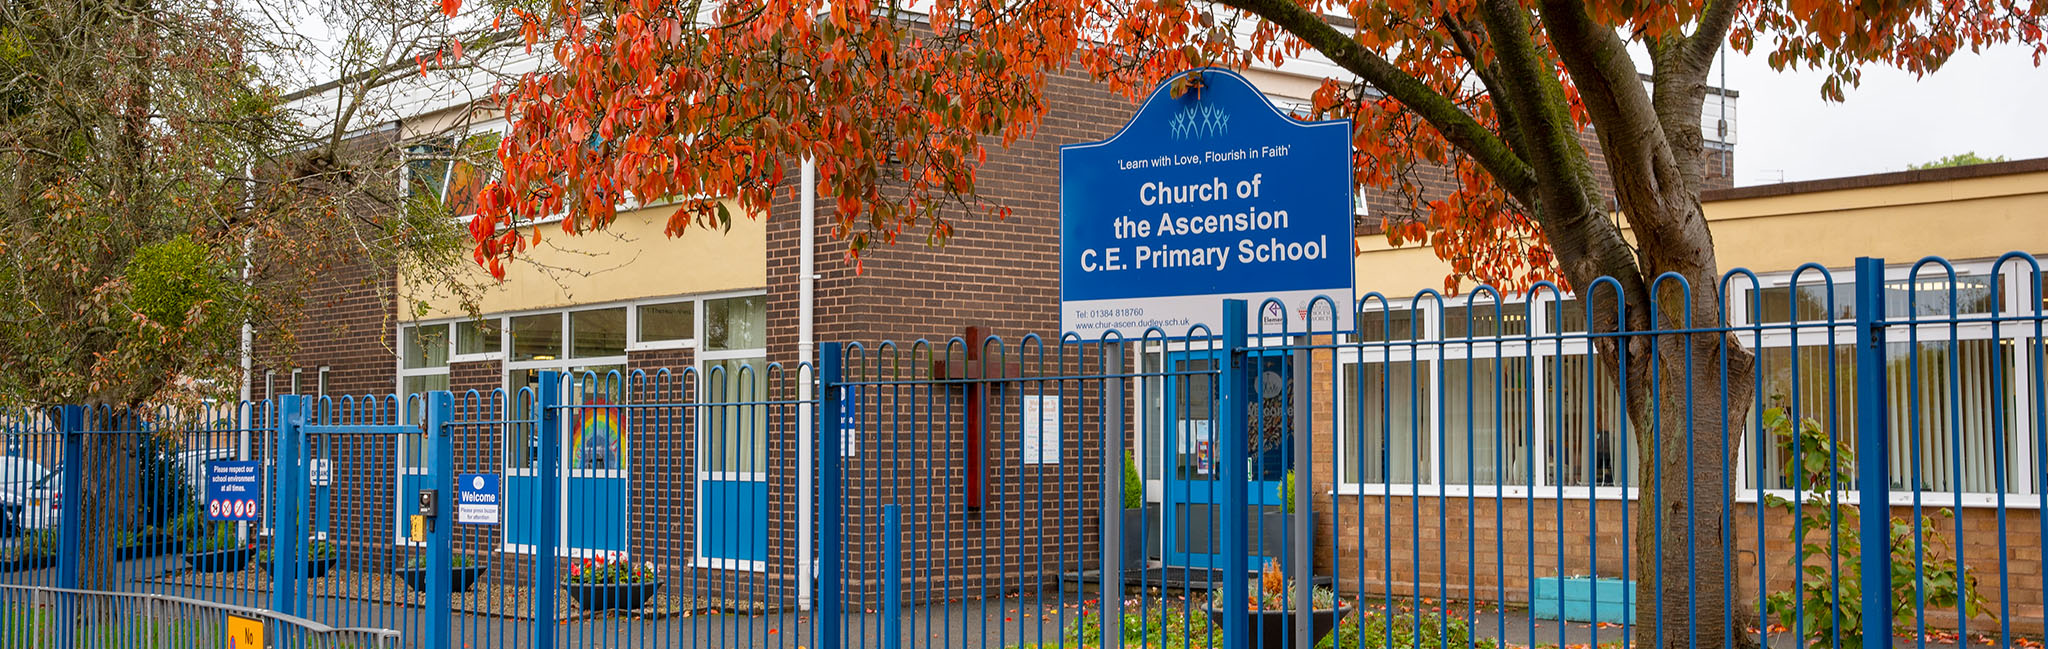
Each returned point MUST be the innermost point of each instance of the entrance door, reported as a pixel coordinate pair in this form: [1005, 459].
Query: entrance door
[1193, 490]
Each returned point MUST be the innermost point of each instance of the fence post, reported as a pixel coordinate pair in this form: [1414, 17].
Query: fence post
[827, 592]
[1110, 604]
[287, 479]
[547, 426]
[440, 464]
[1873, 479]
[71, 423]
[1230, 403]
[892, 576]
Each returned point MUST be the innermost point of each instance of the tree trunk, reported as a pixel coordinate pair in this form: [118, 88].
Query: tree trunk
[108, 504]
[1688, 398]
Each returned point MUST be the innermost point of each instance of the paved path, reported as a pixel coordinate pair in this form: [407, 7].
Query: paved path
[1016, 620]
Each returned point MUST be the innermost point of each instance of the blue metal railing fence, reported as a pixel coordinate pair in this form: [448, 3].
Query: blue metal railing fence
[1835, 461]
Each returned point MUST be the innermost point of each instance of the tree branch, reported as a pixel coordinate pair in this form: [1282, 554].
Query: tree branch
[1489, 76]
[1464, 132]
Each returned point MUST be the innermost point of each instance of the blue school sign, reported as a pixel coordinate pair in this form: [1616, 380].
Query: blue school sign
[232, 492]
[1208, 195]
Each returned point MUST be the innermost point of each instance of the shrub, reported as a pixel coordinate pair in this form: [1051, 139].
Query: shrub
[1134, 486]
[1822, 468]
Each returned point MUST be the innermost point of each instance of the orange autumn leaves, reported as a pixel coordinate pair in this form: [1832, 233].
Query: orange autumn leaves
[708, 105]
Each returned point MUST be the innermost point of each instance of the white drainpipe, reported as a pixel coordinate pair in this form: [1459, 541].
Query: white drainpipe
[806, 346]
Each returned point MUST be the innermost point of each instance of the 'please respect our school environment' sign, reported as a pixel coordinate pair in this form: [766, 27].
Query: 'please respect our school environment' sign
[1210, 195]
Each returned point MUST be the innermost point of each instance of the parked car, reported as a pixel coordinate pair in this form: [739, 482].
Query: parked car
[16, 471]
[41, 503]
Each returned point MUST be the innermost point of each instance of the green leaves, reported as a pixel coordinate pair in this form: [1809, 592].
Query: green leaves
[1827, 602]
[168, 280]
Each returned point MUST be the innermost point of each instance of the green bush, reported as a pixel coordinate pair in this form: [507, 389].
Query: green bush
[40, 543]
[218, 537]
[1821, 475]
[1404, 631]
[1134, 486]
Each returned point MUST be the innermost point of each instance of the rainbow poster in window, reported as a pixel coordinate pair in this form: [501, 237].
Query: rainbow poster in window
[597, 437]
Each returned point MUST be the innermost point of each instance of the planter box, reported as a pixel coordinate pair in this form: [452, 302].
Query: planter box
[230, 560]
[315, 568]
[1275, 629]
[459, 579]
[1583, 599]
[610, 597]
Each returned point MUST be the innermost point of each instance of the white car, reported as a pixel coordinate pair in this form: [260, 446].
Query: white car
[44, 497]
[16, 472]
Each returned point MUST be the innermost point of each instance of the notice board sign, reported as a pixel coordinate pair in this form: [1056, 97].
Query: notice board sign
[233, 490]
[1210, 192]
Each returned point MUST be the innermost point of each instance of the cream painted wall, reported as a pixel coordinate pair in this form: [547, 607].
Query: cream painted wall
[1971, 218]
[633, 259]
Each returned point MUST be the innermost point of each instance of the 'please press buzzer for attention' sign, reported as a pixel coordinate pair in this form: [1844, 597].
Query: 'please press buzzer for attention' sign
[1211, 194]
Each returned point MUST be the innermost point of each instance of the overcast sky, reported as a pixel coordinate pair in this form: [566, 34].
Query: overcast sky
[1991, 103]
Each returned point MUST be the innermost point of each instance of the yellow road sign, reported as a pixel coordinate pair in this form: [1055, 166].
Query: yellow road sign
[245, 633]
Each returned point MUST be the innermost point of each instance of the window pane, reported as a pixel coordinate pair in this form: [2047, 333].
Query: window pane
[738, 440]
[736, 323]
[1486, 319]
[520, 450]
[425, 346]
[601, 332]
[426, 173]
[1956, 402]
[469, 172]
[1809, 304]
[1589, 442]
[1812, 384]
[1930, 296]
[1386, 427]
[415, 444]
[597, 436]
[1380, 326]
[1487, 401]
[671, 321]
[478, 337]
[537, 337]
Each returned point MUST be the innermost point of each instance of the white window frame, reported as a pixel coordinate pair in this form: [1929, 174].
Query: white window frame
[2019, 453]
[633, 343]
[562, 363]
[401, 518]
[703, 423]
[1429, 348]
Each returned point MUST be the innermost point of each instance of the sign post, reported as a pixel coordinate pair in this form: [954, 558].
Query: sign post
[1209, 193]
[1209, 201]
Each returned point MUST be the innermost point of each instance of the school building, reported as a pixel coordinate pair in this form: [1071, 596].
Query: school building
[725, 496]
